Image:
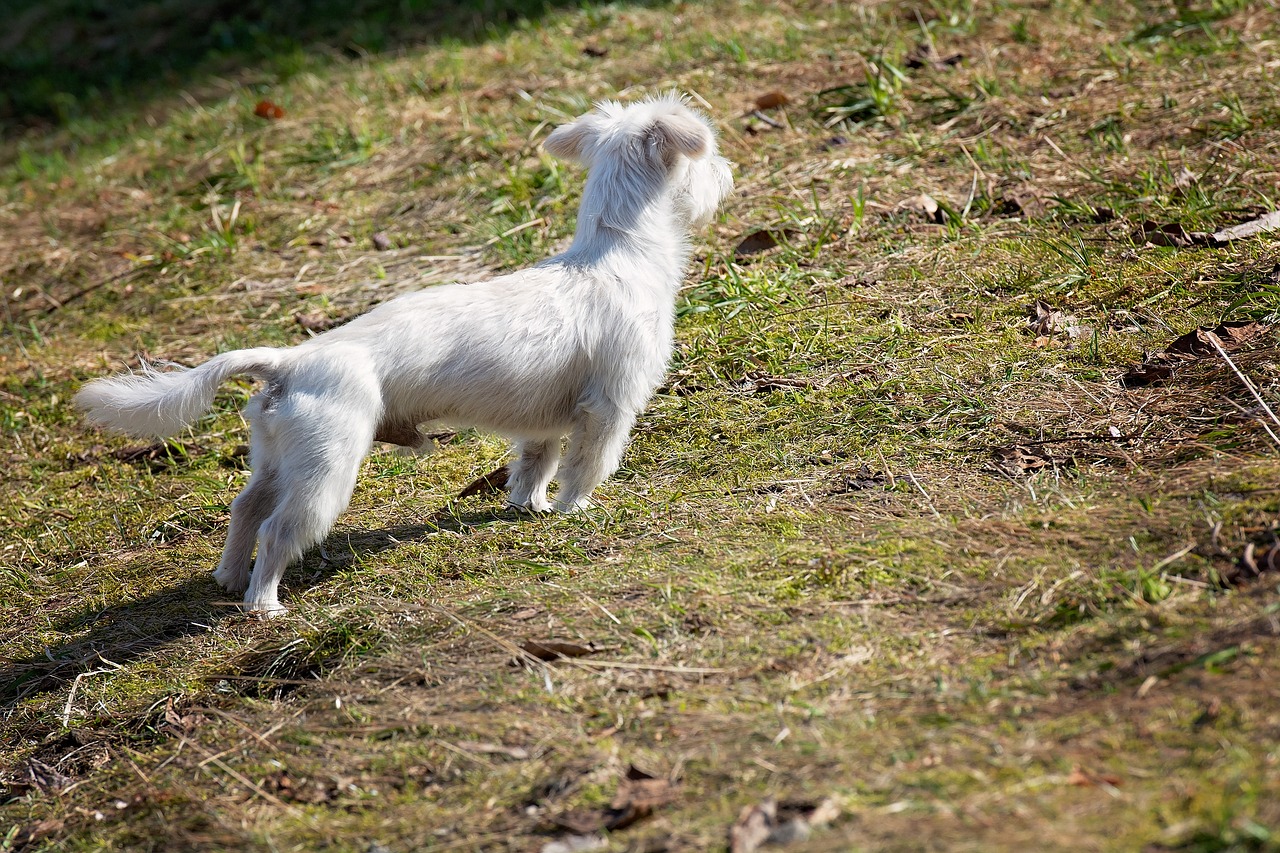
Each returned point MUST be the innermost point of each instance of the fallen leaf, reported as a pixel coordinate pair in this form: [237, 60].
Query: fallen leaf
[1195, 344]
[1253, 227]
[771, 100]
[595, 51]
[638, 795]
[45, 778]
[1210, 712]
[759, 242]
[558, 649]
[382, 242]
[1232, 336]
[1044, 319]
[1021, 459]
[179, 722]
[1169, 234]
[844, 482]
[316, 321]
[1025, 204]
[268, 110]
[850, 282]
[492, 483]
[1154, 370]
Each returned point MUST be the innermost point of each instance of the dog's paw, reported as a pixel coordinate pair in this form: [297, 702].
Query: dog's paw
[230, 579]
[570, 505]
[533, 505]
[264, 609]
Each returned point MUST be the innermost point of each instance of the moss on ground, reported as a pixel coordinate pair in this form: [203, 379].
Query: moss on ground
[891, 534]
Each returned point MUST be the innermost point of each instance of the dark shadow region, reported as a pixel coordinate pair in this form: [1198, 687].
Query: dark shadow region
[63, 59]
[122, 633]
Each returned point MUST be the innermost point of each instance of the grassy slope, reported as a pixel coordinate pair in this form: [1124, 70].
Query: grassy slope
[833, 588]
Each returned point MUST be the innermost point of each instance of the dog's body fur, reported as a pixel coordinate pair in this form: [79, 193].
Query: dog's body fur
[575, 345]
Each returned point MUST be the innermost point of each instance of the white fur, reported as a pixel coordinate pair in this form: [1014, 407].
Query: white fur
[574, 345]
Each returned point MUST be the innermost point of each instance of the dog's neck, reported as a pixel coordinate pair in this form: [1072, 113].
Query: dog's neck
[646, 238]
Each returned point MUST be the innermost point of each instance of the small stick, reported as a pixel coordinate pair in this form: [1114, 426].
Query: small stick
[1213, 339]
[928, 500]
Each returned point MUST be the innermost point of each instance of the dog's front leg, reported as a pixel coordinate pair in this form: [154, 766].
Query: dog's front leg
[530, 474]
[595, 449]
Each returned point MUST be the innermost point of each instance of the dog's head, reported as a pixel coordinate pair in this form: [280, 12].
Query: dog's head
[659, 141]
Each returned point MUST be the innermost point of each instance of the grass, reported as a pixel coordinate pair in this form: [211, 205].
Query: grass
[878, 539]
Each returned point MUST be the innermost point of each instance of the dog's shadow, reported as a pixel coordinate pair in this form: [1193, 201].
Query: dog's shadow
[108, 638]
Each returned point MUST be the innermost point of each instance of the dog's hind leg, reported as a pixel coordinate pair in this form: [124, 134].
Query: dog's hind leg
[595, 449]
[313, 482]
[530, 473]
[307, 508]
[248, 511]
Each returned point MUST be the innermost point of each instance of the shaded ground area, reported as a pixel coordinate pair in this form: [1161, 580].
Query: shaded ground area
[954, 527]
[73, 59]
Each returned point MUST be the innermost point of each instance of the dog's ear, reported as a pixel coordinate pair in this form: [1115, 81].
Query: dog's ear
[679, 133]
[569, 141]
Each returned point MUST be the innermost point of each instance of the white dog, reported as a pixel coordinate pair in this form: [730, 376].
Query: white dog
[575, 345]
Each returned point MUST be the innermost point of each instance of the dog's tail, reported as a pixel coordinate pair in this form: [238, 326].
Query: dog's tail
[161, 404]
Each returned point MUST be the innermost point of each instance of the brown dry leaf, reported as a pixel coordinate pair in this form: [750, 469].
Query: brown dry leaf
[268, 109]
[855, 480]
[382, 242]
[771, 823]
[558, 649]
[1044, 319]
[1156, 369]
[771, 100]
[764, 240]
[315, 321]
[595, 51]
[492, 483]
[45, 778]
[1189, 347]
[1021, 459]
[1232, 336]
[179, 722]
[1169, 234]
[639, 794]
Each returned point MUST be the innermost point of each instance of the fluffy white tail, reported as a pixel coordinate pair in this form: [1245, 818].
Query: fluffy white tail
[162, 404]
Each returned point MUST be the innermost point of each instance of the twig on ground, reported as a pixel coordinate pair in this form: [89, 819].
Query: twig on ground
[1213, 339]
